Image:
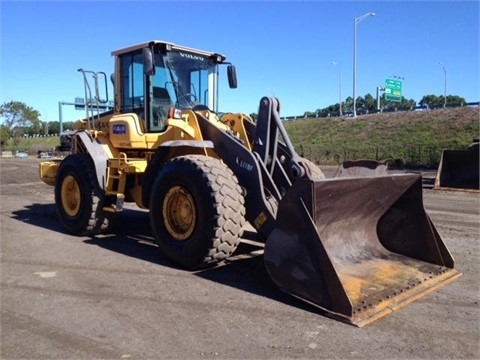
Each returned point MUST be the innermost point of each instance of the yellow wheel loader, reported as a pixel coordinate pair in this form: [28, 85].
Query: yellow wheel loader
[357, 247]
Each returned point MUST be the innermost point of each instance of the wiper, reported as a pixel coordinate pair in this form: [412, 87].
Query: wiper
[184, 97]
[181, 95]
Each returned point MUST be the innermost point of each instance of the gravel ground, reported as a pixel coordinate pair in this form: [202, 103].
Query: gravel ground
[117, 296]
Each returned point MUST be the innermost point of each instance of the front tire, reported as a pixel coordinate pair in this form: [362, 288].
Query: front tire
[197, 211]
[79, 198]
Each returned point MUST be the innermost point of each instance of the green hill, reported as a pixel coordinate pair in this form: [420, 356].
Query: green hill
[413, 138]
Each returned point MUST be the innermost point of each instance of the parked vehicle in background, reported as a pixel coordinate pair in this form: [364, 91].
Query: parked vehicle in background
[42, 154]
[21, 154]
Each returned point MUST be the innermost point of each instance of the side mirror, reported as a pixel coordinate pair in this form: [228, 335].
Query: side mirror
[148, 61]
[232, 76]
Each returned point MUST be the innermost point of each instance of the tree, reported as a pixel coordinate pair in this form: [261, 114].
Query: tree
[4, 135]
[370, 103]
[360, 103]
[17, 117]
[404, 104]
[309, 114]
[348, 104]
[331, 110]
[408, 104]
[54, 127]
[434, 101]
[455, 100]
[429, 100]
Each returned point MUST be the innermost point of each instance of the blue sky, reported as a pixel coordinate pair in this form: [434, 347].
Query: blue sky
[280, 48]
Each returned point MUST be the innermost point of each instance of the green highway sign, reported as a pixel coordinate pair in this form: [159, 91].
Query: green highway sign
[393, 90]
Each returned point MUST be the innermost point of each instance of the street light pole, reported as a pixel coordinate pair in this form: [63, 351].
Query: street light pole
[355, 22]
[339, 86]
[445, 85]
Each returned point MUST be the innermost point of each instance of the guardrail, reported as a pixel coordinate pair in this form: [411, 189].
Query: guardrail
[32, 136]
[414, 155]
[360, 112]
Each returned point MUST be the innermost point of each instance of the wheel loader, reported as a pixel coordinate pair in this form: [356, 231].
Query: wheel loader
[356, 247]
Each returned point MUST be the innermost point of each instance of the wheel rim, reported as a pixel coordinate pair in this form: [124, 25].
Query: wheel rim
[179, 213]
[70, 196]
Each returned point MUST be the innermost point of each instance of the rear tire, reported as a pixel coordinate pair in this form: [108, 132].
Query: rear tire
[197, 211]
[79, 198]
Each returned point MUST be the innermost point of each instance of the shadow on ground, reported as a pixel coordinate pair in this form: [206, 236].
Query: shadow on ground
[132, 237]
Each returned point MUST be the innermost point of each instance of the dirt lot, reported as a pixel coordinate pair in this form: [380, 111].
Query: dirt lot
[117, 296]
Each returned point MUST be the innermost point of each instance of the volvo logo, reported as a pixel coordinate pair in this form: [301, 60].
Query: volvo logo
[191, 56]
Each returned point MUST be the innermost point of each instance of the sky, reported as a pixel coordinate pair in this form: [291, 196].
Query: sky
[280, 48]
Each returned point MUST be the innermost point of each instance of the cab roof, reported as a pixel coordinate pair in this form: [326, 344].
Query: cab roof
[169, 44]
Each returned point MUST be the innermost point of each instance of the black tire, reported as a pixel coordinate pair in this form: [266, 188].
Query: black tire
[197, 211]
[79, 198]
[312, 169]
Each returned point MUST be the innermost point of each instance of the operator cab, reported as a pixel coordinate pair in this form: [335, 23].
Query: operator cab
[157, 77]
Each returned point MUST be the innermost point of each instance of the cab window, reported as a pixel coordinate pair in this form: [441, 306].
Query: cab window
[133, 83]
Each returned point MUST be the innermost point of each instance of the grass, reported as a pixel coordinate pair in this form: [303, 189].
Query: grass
[414, 138]
[408, 138]
[32, 145]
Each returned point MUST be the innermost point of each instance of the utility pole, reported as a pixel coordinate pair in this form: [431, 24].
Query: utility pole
[339, 86]
[445, 85]
[355, 22]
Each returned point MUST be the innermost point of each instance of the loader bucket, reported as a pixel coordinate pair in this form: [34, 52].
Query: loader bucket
[358, 248]
[458, 169]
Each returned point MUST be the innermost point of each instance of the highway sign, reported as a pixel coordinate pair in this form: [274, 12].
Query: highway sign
[80, 104]
[393, 90]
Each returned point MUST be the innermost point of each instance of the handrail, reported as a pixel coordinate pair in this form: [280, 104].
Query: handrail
[92, 105]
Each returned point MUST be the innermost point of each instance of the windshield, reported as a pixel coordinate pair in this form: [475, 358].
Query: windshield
[182, 79]
[189, 79]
